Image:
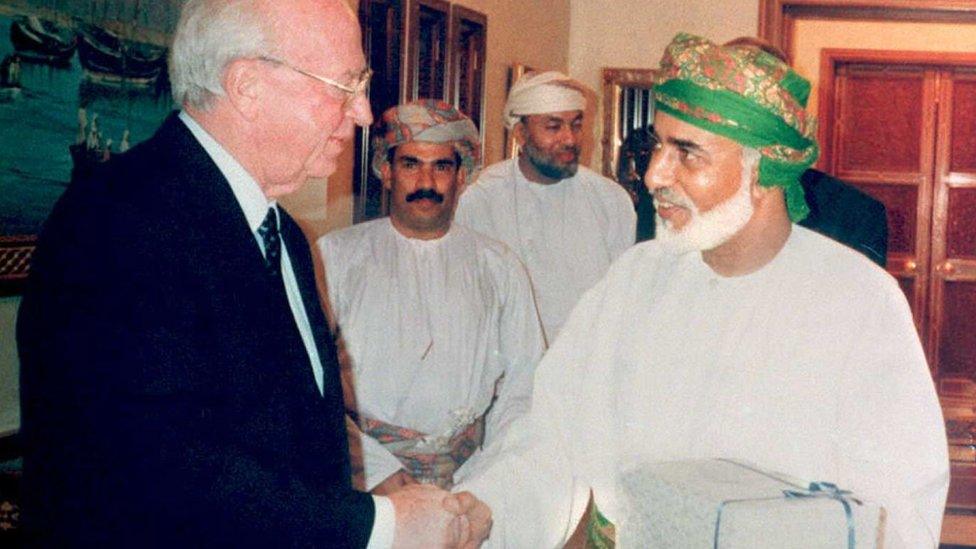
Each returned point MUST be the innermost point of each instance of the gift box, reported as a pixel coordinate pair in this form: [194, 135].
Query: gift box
[724, 504]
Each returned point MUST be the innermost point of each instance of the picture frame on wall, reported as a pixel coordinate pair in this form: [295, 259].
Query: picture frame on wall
[72, 94]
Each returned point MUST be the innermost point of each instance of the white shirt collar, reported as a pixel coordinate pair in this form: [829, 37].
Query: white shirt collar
[247, 191]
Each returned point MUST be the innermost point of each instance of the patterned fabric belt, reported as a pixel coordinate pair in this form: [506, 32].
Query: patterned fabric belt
[429, 459]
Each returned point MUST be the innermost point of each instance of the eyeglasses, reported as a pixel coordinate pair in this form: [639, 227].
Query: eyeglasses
[351, 92]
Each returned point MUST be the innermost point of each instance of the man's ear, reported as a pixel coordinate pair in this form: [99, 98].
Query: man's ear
[243, 87]
[757, 190]
[520, 132]
[386, 174]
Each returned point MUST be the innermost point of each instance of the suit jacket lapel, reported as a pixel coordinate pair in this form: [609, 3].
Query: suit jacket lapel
[301, 262]
[207, 205]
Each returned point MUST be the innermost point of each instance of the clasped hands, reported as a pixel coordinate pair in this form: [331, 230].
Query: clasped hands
[427, 516]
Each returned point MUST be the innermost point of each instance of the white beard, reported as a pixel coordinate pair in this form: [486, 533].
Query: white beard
[709, 230]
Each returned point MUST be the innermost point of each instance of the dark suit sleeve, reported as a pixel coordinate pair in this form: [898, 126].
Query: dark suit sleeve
[133, 407]
[846, 214]
[873, 241]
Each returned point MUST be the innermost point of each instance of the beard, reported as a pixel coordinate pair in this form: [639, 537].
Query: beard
[709, 230]
[547, 166]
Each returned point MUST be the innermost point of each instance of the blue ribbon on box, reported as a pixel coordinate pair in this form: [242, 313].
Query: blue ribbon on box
[814, 490]
[828, 490]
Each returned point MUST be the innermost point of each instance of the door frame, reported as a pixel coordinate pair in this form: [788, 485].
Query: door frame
[777, 18]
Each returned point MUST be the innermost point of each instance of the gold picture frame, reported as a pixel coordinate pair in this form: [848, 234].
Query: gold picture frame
[616, 83]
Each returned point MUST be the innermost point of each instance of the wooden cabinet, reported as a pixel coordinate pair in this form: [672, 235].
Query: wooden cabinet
[417, 49]
[469, 46]
[428, 70]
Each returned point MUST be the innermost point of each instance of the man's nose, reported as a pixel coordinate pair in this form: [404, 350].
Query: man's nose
[660, 171]
[425, 179]
[569, 136]
[359, 110]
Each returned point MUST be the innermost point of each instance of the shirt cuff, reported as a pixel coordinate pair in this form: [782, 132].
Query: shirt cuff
[384, 524]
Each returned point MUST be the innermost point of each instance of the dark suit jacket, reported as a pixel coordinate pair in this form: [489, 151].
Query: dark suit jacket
[167, 398]
[846, 214]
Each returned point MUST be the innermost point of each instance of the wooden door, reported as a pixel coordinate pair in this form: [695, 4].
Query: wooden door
[883, 143]
[952, 336]
[906, 134]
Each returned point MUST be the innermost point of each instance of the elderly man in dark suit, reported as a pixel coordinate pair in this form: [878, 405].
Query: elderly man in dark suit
[179, 382]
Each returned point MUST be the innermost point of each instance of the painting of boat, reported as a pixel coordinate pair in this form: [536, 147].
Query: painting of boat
[43, 40]
[111, 59]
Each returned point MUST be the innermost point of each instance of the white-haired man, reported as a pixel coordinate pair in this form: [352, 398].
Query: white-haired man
[566, 222]
[747, 336]
[179, 387]
[438, 320]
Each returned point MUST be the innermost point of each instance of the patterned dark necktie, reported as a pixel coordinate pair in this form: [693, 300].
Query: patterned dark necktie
[272, 243]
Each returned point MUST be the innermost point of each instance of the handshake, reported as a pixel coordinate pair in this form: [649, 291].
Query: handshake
[427, 516]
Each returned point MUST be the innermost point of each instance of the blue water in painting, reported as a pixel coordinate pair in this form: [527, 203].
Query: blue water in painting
[37, 127]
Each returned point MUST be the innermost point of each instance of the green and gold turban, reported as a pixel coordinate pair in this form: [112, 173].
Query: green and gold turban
[748, 96]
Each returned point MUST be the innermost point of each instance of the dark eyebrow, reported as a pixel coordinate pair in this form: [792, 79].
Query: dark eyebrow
[685, 144]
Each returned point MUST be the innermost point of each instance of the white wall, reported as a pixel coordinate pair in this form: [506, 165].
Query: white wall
[634, 33]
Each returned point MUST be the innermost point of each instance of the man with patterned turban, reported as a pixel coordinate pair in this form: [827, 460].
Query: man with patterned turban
[437, 320]
[759, 340]
[566, 223]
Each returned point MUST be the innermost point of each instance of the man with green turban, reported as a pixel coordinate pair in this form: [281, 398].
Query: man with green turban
[735, 334]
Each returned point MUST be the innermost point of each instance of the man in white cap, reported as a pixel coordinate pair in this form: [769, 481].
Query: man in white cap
[438, 320]
[566, 222]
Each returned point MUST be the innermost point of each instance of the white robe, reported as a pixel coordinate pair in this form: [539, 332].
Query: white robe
[567, 234]
[810, 366]
[430, 327]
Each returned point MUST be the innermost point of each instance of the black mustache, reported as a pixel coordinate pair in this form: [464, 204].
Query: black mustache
[429, 194]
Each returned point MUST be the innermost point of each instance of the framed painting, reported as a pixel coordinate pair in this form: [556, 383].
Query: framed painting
[72, 94]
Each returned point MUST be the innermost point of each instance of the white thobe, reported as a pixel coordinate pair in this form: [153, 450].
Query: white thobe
[810, 366]
[431, 327]
[567, 234]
